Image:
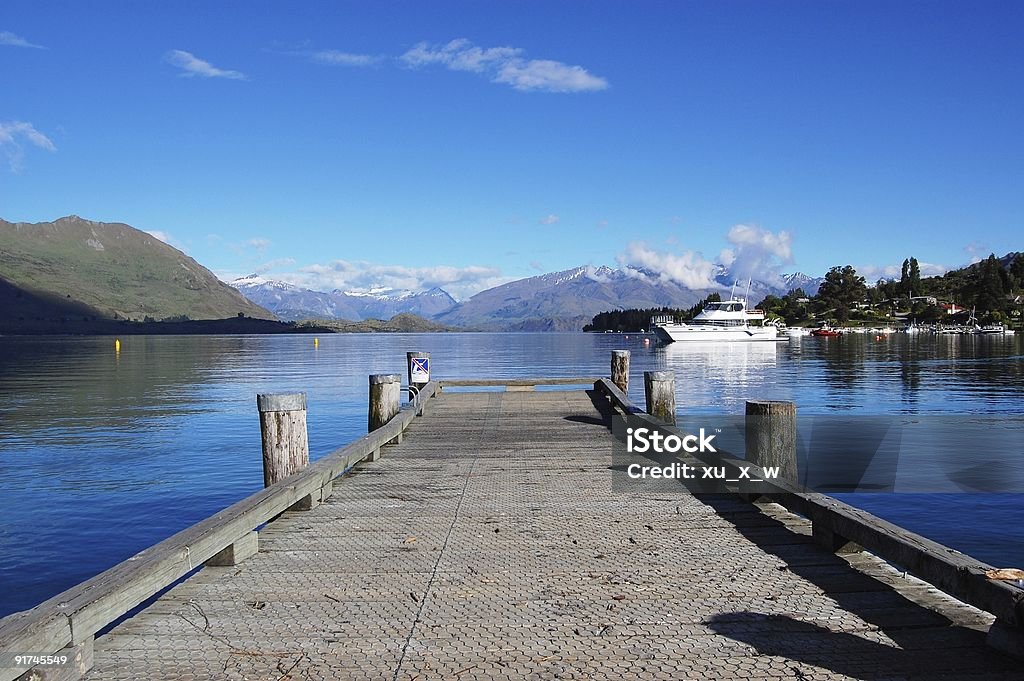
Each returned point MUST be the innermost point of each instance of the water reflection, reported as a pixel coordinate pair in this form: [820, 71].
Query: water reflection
[724, 375]
[66, 387]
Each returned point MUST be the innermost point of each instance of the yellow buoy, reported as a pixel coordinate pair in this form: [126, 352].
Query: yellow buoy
[316, 342]
[117, 345]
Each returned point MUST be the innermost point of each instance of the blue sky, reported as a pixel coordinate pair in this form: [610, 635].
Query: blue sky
[344, 144]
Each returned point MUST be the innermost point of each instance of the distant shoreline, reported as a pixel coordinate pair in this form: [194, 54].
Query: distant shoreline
[200, 327]
[114, 327]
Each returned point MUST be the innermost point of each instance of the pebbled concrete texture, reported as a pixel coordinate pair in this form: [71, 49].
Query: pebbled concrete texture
[489, 544]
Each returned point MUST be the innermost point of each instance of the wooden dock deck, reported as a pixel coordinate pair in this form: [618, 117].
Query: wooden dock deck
[489, 544]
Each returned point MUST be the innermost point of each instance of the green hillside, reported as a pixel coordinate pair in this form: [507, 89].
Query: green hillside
[75, 268]
[400, 323]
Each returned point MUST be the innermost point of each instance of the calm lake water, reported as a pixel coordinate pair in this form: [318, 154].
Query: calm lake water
[104, 454]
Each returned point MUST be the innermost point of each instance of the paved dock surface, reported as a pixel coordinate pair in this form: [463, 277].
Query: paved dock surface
[489, 545]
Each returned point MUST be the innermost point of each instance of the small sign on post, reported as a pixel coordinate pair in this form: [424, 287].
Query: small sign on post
[420, 370]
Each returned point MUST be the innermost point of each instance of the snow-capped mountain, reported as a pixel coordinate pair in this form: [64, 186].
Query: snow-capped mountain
[556, 301]
[381, 303]
[290, 302]
[566, 300]
[800, 280]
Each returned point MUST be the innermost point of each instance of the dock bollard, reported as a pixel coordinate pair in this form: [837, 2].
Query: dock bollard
[285, 451]
[660, 391]
[620, 370]
[419, 372]
[285, 441]
[385, 402]
[770, 434]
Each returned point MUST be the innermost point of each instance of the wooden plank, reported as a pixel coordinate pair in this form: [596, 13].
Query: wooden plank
[42, 630]
[79, 661]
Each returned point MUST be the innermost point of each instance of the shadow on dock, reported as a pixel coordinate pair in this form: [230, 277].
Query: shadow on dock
[905, 617]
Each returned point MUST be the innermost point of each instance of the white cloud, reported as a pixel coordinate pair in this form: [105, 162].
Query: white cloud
[550, 219]
[11, 40]
[976, 250]
[548, 75]
[259, 243]
[194, 66]
[361, 276]
[757, 253]
[597, 274]
[13, 134]
[688, 268]
[753, 252]
[339, 58]
[460, 55]
[505, 65]
[872, 273]
[167, 238]
[932, 270]
[274, 264]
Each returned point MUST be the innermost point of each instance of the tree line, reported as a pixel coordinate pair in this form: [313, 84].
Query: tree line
[991, 287]
[633, 320]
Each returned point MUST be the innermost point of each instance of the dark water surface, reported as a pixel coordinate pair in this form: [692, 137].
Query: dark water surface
[104, 454]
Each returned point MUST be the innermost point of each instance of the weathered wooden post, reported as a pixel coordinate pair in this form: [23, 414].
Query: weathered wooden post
[285, 451]
[770, 433]
[419, 368]
[620, 369]
[385, 402]
[660, 391]
[285, 441]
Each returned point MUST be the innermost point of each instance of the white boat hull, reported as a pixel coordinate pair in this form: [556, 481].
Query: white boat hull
[675, 333]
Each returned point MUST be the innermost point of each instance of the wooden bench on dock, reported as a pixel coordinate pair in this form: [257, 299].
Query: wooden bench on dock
[477, 534]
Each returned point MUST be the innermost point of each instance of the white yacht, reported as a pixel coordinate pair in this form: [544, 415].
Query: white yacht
[728, 320]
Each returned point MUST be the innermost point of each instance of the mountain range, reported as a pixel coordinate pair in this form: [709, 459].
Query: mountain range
[73, 269]
[557, 301]
[293, 303]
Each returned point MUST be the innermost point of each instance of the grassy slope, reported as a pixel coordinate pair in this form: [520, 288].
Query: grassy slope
[400, 323]
[112, 268]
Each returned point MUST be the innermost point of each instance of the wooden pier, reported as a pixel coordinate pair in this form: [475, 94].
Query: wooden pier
[489, 543]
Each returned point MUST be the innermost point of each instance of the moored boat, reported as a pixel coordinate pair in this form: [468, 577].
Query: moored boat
[826, 331]
[993, 330]
[728, 321]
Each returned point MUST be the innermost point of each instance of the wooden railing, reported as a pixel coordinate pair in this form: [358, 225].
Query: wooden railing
[840, 527]
[67, 623]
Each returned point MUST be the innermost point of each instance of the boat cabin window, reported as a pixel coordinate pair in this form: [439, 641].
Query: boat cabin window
[725, 307]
